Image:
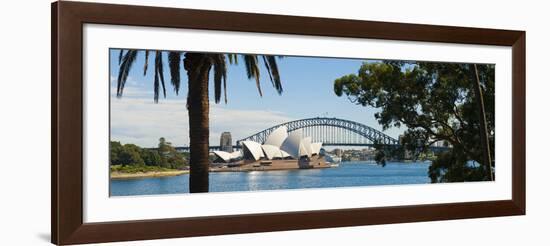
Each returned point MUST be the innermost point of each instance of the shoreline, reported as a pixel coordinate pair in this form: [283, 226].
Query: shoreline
[261, 169]
[155, 174]
[316, 162]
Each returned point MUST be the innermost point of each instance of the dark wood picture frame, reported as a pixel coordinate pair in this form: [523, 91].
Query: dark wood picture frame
[67, 123]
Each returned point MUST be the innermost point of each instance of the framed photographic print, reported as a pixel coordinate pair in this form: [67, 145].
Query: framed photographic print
[173, 122]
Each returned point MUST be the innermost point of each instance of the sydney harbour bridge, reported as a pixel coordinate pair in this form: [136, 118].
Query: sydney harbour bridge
[329, 131]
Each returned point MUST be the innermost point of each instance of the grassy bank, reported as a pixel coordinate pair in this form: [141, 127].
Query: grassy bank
[142, 171]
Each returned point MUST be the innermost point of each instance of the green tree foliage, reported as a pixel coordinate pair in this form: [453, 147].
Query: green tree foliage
[150, 157]
[169, 157]
[442, 172]
[116, 148]
[165, 156]
[130, 155]
[436, 102]
[384, 153]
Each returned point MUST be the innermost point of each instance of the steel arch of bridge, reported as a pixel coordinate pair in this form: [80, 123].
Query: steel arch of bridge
[332, 126]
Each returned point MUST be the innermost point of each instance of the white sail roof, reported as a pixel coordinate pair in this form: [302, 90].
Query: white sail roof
[271, 151]
[316, 148]
[277, 137]
[236, 154]
[225, 156]
[291, 145]
[280, 144]
[305, 147]
[284, 154]
[254, 148]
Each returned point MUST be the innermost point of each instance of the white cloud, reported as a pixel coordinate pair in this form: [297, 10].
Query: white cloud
[131, 88]
[141, 121]
[129, 80]
[133, 92]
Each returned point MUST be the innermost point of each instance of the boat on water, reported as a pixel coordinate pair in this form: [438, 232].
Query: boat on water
[332, 160]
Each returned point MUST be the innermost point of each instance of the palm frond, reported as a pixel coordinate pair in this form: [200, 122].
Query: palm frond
[225, 78]
[233, 59]
[156, 87]
[146, 63]
[120, 56]
[126, 64]
[266, 64]
[273, 70]
[161, 71]
[220, 73]
[252, 70]
[159, 77]
[174, 59]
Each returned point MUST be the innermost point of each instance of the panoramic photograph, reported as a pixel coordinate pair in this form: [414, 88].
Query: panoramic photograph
[191, 122]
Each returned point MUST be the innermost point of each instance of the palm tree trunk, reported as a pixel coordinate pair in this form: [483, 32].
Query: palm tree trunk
[483, 124]
[198, 68]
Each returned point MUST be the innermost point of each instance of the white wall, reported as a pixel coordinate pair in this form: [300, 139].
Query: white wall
[25, 127]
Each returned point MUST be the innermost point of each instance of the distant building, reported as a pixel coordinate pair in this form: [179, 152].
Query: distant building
[225, 142]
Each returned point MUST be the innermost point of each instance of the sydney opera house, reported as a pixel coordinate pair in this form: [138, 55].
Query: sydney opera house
[280, 150]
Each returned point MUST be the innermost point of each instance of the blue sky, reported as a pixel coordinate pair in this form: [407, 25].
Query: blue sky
[308, 92]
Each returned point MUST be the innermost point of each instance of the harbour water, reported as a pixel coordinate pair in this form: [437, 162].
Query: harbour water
[348, 174]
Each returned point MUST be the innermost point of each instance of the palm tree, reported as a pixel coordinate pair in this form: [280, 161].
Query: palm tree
[198, 66]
